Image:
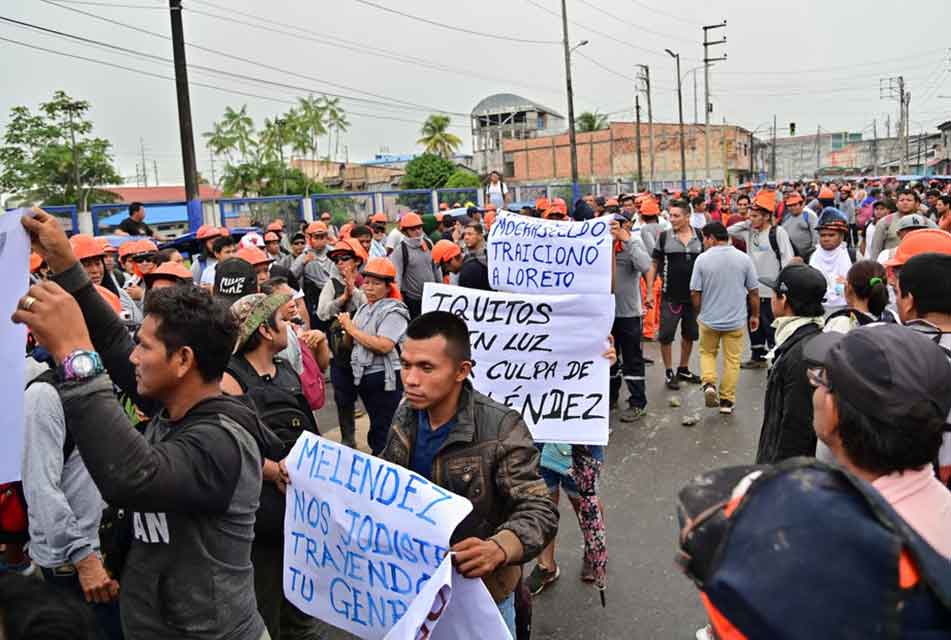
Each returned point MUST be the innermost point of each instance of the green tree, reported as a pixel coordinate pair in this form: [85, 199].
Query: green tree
[427, 171]
[336, 122]
[462, 179]
[51, 157]
[591, 121]
[436, 137]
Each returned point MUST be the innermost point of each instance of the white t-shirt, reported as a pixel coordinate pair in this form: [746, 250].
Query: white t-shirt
[698, 220]
[394, 239]
[869, 237]
[208, 275]
[497, 192]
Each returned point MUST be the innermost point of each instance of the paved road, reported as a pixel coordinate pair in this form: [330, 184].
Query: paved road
[647, 464]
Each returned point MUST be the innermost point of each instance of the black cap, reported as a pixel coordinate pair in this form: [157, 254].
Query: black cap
[884, 368]
[298, 236]
[234, 278]
[800, 282]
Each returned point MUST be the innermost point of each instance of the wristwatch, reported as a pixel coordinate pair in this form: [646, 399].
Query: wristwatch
[81, 365]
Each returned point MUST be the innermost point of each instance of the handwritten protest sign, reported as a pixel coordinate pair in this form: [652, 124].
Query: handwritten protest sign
[540, 355]
[362, 536]
[15, 267]
[531, 255]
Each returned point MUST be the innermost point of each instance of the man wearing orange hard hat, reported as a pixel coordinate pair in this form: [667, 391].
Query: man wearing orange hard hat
[312, 269]
[413, 263]
[447, 255]
[89, 252]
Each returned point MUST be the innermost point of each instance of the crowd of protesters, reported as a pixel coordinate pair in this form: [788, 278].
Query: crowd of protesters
[162, 396]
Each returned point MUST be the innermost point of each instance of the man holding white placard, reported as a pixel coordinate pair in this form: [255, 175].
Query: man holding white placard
[451, 434]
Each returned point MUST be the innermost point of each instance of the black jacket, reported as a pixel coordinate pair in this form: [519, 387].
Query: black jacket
[787, 414]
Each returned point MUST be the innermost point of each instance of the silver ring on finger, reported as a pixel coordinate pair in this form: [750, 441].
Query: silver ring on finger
[27, 303]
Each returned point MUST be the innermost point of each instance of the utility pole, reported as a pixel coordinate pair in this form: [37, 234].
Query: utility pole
[70, 112]
[646, 78]
[155, 167]
[637, 138]
[918, 162]
[571, 105]
[145, 172]
[875, 146]
[680, 112]
[696, 120]
[772, 163]
[894, 88]
[752, 154]
[888, 126]
[214, 178]
[189, 166]
[707, 107]
[818, 149]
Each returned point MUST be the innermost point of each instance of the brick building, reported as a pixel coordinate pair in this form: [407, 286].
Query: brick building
[610, 155]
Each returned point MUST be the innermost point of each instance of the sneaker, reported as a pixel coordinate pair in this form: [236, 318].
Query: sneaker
[541, 578]
[710, 395]
[753, 363]
[705, 633]
[633, 414]
[671, 379]
[726, 407]
[684, 374]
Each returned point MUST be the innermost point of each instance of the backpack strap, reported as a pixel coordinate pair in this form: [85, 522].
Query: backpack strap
[243, 373]
[774, 243]
[51, 377]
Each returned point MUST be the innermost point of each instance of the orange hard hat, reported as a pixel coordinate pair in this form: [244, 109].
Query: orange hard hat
[107, 246]
[793, 198]
[110, 297]
[611, 202]
[380, 268]
[443, 206]
[350, 245]
[825, 193]
[379, 218]
[85, 246]
[345, 230]
[169, 271]
[224, 232]
[36, 261]
[920, 241]
[253, 256]
[127, 248]
[765, 200]
[445, 250]
[277, 225]
[542, 204]
[488, 218]
[145, 246]
[317, 227]
[271, 236]
[207, 231]
[490, 207]
[650, 207]
[410, 220]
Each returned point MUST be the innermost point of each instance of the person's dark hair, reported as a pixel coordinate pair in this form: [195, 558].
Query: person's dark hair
[625, 198]
[908, 192]
[475, 226]
[191, 317]
[135, 206]
[255, 340]
[811, 309]
[927, 277]
[868, 280]
[887, 446]
[946, 200]
[445, 324]
[744, 197]
[698, 201]
[679, 204]
[278, 271]
[31, 608]
[360, 232]
[221, 243]
[270, 285]
[715, 230]
[166, 254]
[933, 193]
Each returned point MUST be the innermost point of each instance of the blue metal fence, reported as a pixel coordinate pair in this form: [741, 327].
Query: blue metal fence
[260, 211]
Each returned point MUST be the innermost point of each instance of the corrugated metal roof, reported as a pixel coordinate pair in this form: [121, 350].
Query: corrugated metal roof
[509, 103]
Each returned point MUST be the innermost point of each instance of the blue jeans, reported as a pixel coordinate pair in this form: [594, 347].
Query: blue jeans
[507, 609]
[380, 405]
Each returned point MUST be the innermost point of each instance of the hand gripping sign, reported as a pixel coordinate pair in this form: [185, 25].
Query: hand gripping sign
[363, 539]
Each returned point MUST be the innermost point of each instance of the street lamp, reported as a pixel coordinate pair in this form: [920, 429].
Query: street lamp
[575, 191]
[680, 110]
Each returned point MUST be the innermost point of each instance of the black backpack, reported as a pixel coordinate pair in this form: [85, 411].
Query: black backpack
[278, 401]
[339, 341]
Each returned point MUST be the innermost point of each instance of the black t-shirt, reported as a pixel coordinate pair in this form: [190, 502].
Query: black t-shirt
[134, 228]
[675, 264]
[474, 275]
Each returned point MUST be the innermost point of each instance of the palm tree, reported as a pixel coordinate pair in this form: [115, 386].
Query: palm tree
[591, 121]
[336, 121]
[312, 122]
[273, 139]
[436, 139]
[240, 127]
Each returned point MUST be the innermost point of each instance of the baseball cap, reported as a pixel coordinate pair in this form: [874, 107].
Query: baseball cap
[235, 278]
[253, 310]
[800, 282]
[886, 367]
[914, 221]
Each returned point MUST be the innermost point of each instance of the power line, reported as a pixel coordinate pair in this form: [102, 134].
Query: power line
[450, 27]
[665, 14]
[395, 102]
[867, 63]
[363, 49]
[143, 72]
[639, 27]
[114, 5]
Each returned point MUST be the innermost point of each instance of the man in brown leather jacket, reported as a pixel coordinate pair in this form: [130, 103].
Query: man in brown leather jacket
[475, 447]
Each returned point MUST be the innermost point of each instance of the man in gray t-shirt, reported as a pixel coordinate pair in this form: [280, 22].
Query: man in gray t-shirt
[722, 282]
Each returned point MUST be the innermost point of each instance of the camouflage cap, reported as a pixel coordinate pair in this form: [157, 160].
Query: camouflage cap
[253, 310]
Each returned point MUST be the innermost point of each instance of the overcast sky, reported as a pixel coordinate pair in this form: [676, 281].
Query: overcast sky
[812, 62]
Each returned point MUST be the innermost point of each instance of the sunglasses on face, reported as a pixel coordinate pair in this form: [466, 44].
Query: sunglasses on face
[379, 228]
[339, 259]
[274, 242]
[319, 236]
[325, 219]
[145, 257]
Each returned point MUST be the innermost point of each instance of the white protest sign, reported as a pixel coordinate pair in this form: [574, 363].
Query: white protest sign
[451, 607]
[362, 536]
[542, 355]
[15, 267]
[531, 255]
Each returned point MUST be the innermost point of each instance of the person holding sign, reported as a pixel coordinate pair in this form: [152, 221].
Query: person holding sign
[631, 260]
[465, 442]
